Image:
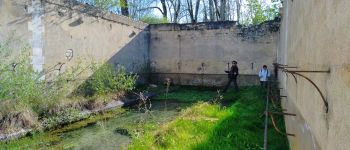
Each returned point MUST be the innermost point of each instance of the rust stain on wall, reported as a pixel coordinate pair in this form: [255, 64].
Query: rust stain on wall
[346, 75]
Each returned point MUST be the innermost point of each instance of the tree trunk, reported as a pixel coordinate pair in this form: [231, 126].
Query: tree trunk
[124, 7]
[205, 19]
[238, 11]
[217, 11]
[196, 11]
[211, 11]
[223, 10]
[190, 10]
[177, 11]
[165, 11]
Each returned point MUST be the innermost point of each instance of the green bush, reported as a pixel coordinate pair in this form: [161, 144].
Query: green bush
[24, 86]
[153, 19]
[107, 79]
[62, 117]
[22, 89]
[21, 83]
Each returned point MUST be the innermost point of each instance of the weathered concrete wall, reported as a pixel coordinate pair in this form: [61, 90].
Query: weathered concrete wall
[315, 35]
[189, 54]
[198, 54]
[54, 28]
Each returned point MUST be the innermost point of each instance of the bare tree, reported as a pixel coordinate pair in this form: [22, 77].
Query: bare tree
[193, 10]
[176, 4]
[197, 9]
[205, 14]
[217, 11]
[165, 11]
[238, 9]
[211, 11]
[136, 8]
[223, 10]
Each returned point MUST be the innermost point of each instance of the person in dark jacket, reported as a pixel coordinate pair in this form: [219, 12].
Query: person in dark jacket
[232, 76]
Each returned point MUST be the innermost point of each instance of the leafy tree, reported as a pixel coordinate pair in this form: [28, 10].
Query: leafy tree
[259, 11]
[124, 7]
[272, 11]
[244, 11]
[153, 19]
[104, 4]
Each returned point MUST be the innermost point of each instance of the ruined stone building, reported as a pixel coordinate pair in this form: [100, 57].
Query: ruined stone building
[312, 39]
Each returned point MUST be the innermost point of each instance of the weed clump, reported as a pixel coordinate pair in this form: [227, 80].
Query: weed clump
[28, 100]
[106, 79]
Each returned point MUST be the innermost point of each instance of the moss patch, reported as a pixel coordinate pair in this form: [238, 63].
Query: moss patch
[47, 139]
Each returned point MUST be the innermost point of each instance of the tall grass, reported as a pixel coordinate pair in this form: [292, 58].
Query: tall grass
[211, 126]
[186, 94]
[107, 79]
[25, 97]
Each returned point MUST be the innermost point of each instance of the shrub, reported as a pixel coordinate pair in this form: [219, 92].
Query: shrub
[62, 117]
[24, 93]
[107, 79]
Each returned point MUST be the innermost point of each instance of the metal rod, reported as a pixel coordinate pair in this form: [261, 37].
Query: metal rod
[295, 78]
[284, 66]
[279, 64]
[311, 71]
[282, 113]
[277, 129]
[266, 118]
[228, 66]
[287, 67]
[174, 73]
[272, 100]
[314, 84]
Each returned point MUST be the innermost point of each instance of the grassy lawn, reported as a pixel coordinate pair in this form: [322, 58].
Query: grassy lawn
[194, 94]
[239, 126]
[187, 94]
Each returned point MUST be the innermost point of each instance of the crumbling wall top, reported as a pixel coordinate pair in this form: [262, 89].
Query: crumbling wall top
[268, 26]
[73, 5]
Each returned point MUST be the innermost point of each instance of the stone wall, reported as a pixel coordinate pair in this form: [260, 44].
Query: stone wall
[198, 54]
[189, 54]
[56, 29]
[315, 36]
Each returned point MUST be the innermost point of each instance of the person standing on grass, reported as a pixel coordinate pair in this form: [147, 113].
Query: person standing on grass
[232, 76]
[264, 75]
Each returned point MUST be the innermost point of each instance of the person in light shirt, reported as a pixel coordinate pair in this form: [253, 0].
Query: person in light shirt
[264, 75]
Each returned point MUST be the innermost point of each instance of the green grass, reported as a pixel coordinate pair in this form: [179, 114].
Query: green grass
[194, 94]
[210, 126]
[187, 94]
[25, 97]
[203, 125]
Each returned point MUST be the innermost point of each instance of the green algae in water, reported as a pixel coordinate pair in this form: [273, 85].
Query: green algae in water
[99, 132]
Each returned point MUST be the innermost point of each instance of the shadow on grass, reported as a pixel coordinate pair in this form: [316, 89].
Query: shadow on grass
[236, 126]
[244, 129]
